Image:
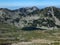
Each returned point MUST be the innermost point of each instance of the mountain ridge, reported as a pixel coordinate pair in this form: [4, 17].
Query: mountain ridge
[31, 17]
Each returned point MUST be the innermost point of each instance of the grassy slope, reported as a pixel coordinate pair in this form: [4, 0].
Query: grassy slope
[51, 35]
[8, 31]
[47, 34]
[12, 31]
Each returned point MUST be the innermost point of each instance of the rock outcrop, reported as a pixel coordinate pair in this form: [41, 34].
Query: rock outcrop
[46, 18]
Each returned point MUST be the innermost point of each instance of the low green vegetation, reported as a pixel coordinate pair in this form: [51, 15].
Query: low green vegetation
[51, 35]
[8, 31]
[43, 34]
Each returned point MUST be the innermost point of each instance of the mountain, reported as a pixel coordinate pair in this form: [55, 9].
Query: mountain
[47, 18]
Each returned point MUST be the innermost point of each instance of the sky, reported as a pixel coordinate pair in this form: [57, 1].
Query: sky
[13, 4]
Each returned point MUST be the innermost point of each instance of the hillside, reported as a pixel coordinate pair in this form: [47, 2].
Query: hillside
[32, 17]
[30, 26]
[8, 34]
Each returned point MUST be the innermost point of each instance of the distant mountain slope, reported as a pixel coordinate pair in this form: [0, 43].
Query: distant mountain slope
[48, 17]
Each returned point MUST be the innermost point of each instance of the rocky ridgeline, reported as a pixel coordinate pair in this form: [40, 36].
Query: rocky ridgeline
[47, 18]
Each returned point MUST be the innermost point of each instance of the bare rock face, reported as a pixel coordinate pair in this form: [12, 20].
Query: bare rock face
[46, 18]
